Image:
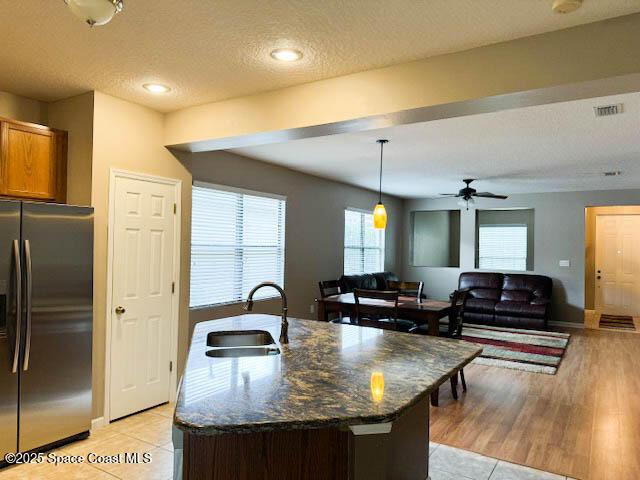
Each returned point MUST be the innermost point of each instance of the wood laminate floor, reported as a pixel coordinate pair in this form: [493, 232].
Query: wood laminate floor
[583, 422]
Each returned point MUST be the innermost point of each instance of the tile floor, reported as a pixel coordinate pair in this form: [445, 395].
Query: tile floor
[448, 463]
[146, 432]
[150, 432]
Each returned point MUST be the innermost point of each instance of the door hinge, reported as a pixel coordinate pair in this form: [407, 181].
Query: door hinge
[173, 287]
[175, 208]
[171, 366]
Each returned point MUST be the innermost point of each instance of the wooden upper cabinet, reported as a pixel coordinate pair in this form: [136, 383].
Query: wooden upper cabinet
[33, 161]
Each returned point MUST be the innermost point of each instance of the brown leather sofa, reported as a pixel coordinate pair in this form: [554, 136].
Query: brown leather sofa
[507, 299]
[367, 281]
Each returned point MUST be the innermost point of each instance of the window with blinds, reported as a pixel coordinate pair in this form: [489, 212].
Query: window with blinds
[363, 244]
[502, 247]
[237, 241]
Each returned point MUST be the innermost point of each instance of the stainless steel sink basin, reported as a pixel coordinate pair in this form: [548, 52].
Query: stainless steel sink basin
[243, 352]
[244, 338]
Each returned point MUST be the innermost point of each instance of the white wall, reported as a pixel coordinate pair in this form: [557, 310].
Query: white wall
[559, 235]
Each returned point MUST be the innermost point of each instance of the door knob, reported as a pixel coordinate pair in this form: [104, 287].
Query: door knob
[120, 310]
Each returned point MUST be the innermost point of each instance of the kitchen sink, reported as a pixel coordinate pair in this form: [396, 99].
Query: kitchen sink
[244, 338]
[243, 352]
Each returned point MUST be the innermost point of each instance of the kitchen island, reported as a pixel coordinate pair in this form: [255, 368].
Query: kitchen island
[336, 402]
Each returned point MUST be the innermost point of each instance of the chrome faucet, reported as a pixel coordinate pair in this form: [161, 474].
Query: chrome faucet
[284, 324]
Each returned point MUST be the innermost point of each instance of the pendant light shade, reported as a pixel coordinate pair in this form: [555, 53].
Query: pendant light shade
[379, 212]
[379, 217]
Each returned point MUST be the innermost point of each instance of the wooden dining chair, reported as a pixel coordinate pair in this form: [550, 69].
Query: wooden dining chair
[452, 328]
[413, 289]
[388, 318]
[332, 287]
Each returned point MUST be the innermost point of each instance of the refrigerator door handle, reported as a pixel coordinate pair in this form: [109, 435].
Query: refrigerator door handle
[18, 272]
[28, 285]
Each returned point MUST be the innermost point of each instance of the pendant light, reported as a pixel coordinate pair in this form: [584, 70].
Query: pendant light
[379, 212]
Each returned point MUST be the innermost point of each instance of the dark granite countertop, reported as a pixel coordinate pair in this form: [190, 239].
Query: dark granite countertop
[322, 378]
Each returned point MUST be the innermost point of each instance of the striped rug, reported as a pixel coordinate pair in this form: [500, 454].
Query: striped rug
[619, 322]
[518, 349]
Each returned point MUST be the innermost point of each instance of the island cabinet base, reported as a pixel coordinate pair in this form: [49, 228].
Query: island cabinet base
[382, 451]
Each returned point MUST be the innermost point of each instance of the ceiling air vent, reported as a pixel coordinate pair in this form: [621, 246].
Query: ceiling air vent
[608, 110]
[613, 173]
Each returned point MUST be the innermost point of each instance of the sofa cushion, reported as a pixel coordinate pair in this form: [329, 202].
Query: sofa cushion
[485, 294]
[516, 296]
[480, 305]
[473, 280]
[520, 309]
[479, 318]
[383, 277]
[538, 285]
[365, 282]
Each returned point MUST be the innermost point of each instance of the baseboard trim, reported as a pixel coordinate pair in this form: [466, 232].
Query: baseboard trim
[567, 324]
[97, 423]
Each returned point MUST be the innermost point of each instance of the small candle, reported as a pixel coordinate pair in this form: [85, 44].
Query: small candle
[377, 386]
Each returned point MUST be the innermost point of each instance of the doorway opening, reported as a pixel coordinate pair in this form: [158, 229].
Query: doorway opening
[612, 267]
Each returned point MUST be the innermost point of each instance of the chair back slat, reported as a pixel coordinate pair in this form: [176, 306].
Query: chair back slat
[407, 288]
[458, 303]
[371, 320]
[329, 287]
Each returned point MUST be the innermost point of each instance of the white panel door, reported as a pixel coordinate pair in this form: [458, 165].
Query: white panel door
[618, 264]
[143, 275]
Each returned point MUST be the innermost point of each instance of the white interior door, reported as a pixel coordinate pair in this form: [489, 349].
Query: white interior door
[142, 287]
[618, 264]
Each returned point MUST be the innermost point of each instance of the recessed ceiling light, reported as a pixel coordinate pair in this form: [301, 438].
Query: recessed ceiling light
[156, 88]
[286, 54]
[566, 6]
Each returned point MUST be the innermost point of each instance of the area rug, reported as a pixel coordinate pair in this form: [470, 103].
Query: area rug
[528, 350]
[618, 322]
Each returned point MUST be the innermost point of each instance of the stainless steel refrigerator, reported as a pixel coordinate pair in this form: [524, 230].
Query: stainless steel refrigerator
[46, 322]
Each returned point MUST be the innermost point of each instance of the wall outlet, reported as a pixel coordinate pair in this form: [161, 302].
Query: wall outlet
[312, 308]
[564, 263]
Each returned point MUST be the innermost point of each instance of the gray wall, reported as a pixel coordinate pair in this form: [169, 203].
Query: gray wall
[559, 235]
[314, 224]
[435, 238]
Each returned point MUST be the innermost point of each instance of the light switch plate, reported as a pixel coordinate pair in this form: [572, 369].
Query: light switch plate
[564, 263]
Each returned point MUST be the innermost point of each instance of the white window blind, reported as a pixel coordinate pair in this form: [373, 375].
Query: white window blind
[363, 244]
[502, 247]
[237, 241]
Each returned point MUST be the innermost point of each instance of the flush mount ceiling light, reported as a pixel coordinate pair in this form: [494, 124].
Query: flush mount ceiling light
[566, 6]
[95, 12]
[379, 212]
[286, 54]
[156, 88]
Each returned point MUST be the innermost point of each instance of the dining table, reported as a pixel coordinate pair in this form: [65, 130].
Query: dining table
[421, 311]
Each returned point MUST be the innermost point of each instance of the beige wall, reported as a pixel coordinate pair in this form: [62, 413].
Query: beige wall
[314, 224]
[129, 137]
[588, 52]
[590, 246]
[24, 109]
[75, 115]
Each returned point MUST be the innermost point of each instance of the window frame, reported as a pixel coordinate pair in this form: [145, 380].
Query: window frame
[243, 191]
[380, 232]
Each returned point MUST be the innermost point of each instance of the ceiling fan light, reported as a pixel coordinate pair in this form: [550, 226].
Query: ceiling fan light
[95, 12]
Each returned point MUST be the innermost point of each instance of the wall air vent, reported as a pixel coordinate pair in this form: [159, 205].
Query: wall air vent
[608, 110]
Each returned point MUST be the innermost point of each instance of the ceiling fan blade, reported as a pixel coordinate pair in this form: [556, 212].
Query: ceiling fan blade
[489, 195]
[449, 194]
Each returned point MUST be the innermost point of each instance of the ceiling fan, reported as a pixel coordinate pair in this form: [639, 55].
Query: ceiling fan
[467, 193]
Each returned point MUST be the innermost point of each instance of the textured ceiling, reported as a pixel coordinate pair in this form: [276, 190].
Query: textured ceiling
[209, 50]
[549, 148]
